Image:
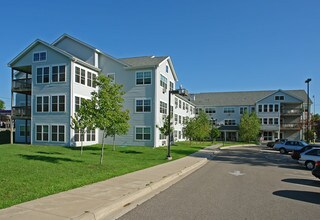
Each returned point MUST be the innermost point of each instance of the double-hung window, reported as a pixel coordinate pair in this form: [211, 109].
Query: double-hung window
[57, 133]
[43, 74]
[58, 103]
[163, 107]
[58, 73]
[229, 122]
[163, 81]
[228, 110]
[143, 105]
[91, 135]
[143, 78]
[42, 103]
[89, 79]
[143, 133]
[83, 77]
[42, 132]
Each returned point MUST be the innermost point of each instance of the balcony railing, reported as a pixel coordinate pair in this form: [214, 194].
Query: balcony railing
[291, 111]
[290, 126]
[21, 85]
[21, 112]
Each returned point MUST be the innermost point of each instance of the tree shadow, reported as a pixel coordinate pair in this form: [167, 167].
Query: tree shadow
[306, 182]
[304, 196]
[42, 152]
[48, 159]
[130, 152]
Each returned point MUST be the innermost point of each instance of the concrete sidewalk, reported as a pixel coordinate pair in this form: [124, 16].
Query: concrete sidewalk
[111, 198]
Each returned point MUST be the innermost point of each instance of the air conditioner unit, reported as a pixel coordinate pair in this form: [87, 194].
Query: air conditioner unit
[163, 143]
[164, 90]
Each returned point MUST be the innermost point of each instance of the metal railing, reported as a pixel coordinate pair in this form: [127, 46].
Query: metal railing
[21, 85]
[291, 111]
[21, 111]
[291, 126]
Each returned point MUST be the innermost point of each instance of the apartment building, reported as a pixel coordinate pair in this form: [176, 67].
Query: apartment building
[49, 81]
[282, 113]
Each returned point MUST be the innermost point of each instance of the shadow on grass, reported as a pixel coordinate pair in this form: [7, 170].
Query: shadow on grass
[130, 152]
[47, 158]
[42, 152]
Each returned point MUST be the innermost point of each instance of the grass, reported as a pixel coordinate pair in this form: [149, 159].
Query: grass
[29, 172]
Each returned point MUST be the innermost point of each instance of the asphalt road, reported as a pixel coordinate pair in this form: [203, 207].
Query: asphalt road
[239, 183]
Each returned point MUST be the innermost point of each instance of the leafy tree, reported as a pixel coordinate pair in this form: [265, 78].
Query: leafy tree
[2, 105]
[164, 129]
[189, 129]
[202, 126]
[249, 126]
[214, 133]
[81, 121]
[316, 124]
[105, 109]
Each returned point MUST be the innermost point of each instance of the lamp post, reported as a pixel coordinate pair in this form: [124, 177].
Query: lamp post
[308, 81]
[182, 92]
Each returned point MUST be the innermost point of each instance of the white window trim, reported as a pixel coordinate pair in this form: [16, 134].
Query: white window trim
[143, 72]
[160, 107]
[135, 105]
[235, 122]
[36, 132]
[65, 103]
[44, 66]
[86, 76]
[135, 133]
[42, 51]
[49, 103]
[50, 133]
[23, 126]
[50, 73]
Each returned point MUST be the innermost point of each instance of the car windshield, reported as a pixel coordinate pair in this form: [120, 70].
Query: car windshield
[304, 143]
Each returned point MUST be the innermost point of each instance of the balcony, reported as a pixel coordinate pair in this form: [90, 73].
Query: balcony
[21, 112]
[290, 126]
[21, 86]
[291, 112]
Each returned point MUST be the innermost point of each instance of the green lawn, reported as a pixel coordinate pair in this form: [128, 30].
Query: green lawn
[29, 172]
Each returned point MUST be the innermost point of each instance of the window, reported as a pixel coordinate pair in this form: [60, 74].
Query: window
[276, 108]
[23, 131]
[270, 121]
[270, 108]
[77, 72]
[58, 73]
[276, 121]
[260, 108]
[210, 110]
[183, 105]
[91, 135]
[228, 110]
[253, 109]
[229, 122]
[176, 102]
[77, 103]
[267, 135]
[42, 74]
[143, 105]
[163, 81]
[94, 79]
[42, 103]
[83, 77]
[112, 77]
[42, 133]
[171, 86]
[265, 121]
[163, 107]
[179, 134]
[179, 103]
[167, 69]
[143, 133]
[179, 119]
[279, 97]
[265, 108]
[143, 78]
[176, 118]
[89, 79]
[58, 103]
[187, 107]
[243, 110]
[39, 56]
[58, 133]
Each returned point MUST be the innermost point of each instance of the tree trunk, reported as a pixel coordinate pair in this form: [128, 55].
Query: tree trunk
[114, 147]
[81, 149]
[102, 148]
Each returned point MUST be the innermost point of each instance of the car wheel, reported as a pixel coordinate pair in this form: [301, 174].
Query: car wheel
[283, 151]
[310, 165]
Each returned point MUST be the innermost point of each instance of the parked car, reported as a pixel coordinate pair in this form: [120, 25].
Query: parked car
[272, 143]
[316, 170]
[288, 146]
[296, 153]
[310, 157]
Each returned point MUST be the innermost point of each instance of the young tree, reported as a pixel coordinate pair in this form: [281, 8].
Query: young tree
[164, 129]
[105, 107]
[203, 126]
[190, 128]
[249, 126]
[2, 105]
[214, 133]
[81, 121]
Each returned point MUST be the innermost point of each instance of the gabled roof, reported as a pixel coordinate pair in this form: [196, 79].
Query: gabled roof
[148, 62]
[32, 45]
[240, 98]
[144, 61]
[62, 37]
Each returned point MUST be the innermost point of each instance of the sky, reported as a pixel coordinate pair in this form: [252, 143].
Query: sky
[215, 45]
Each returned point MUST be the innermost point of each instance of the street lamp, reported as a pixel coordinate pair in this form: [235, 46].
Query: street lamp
[308, 81]
[182, 92]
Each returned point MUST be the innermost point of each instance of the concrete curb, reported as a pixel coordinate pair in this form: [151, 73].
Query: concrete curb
[240, 145]
[104, 212]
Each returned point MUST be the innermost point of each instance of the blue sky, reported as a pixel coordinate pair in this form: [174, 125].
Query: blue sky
[217, 45]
